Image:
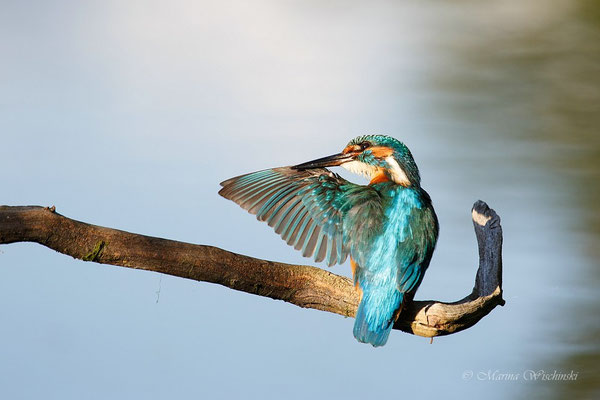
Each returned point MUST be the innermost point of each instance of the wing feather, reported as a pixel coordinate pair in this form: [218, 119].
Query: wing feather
[307, 208]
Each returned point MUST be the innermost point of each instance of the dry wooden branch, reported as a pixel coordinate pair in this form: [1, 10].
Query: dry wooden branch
[304, 286]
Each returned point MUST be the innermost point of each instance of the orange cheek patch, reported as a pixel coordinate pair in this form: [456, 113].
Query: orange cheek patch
[351, 149]
[381, 151]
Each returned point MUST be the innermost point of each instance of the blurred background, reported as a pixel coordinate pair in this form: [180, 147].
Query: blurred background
[129, 114]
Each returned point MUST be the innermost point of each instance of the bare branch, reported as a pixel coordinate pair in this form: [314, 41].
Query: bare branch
[304, 286]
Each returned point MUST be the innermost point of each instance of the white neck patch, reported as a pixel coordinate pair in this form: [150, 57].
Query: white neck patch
[397, 173]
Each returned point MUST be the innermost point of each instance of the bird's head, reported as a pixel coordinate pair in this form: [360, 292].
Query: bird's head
[378, 157]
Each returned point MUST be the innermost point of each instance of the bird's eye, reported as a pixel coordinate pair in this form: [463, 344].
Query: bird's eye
[364, 145]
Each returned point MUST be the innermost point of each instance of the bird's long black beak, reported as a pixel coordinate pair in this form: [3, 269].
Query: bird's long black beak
[330, 161]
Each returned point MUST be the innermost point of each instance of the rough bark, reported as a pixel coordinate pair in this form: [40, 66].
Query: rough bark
[304, 286]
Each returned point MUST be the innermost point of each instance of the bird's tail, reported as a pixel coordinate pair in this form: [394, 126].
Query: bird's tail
[375, 317]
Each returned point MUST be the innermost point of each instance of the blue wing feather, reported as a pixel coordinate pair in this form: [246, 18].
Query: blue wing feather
[306, 207]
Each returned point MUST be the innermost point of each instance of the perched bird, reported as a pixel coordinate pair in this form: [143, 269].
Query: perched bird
[388, 227]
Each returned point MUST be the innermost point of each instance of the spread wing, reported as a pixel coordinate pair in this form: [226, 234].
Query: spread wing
[310, 208]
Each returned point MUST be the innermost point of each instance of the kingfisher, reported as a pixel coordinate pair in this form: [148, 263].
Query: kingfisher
[388, 227]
